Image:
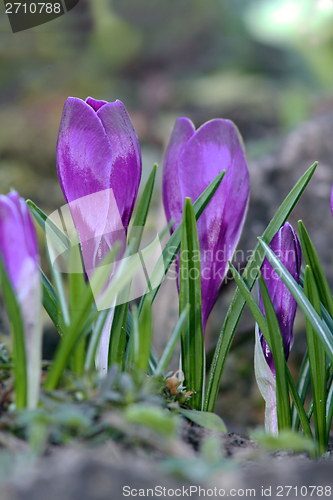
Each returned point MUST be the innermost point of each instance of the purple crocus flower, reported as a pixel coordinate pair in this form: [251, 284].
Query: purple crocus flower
[286, 246]
[99, 169]
[98, 151]
[19, 253]
[193, 159]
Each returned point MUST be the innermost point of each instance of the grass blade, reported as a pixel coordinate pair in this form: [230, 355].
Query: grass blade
[58, 237]
[89, 363]
[18, 339]
[142, 343]
[171, 345]
[57, 279]
[249, 275]
[329, 409]
[51, 303]
[302, 388]
[299, 406]
[192, 347]
[133, 347]
[141, 215]
[312, 260]
[77, 288]
[317, 361]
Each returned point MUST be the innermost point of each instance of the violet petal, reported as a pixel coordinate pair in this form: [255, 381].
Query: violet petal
[286, 246]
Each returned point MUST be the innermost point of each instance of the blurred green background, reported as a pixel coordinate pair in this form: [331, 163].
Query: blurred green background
[265, 64]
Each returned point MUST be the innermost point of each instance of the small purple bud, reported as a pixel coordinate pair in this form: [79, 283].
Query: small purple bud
[286, 246]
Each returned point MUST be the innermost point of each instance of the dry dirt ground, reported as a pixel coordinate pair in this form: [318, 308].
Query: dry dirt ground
[114, 472]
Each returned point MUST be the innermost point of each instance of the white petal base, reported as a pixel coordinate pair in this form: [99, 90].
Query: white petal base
[267, 386]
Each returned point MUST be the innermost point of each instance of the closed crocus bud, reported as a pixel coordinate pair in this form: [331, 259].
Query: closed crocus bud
[19, 254]
[193, 159]
[99, 169]
[98, 151]
[286, 246]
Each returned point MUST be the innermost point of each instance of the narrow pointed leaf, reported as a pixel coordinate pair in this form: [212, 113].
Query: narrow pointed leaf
[118, 335]
[311, 259]
[142, 342]
[57, 278]
[89, 363]
[253, 306]
[171, 345]
[329, 409]
[299, 406]
[77, 288]
[133, 347]
[317, 361]
[18, 339]
[51, 303]
[58, 237]
[141, 215]
[302, 388]
[192, 348]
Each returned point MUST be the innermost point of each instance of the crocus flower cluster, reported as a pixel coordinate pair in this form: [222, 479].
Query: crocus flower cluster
[99, 169]
[19, 254]
[193, 159]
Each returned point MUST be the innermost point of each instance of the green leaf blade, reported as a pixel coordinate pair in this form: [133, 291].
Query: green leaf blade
[170, 347]
[317, 360]
[312, 260]
[142, 344]
[192, 348]
[18, 338]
